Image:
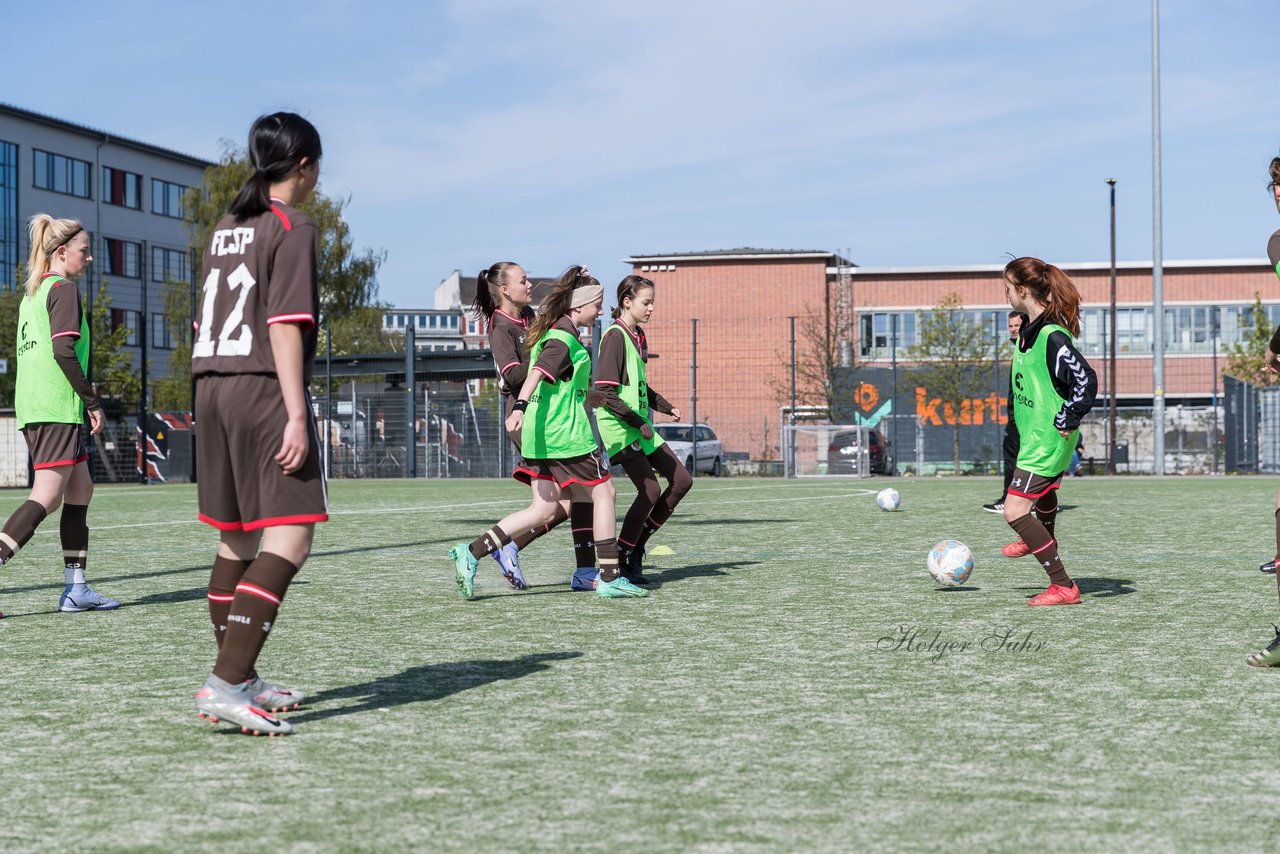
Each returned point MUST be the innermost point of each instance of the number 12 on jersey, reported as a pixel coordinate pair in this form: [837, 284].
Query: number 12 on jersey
[238, 280]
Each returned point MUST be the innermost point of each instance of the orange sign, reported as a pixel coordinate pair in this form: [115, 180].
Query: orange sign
[867, 397]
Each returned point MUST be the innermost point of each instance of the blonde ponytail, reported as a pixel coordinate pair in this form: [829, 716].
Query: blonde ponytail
[46, 235]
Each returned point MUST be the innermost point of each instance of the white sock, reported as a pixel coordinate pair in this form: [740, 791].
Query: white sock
[74, 573]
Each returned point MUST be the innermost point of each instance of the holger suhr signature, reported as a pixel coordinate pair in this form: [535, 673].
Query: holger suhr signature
[932, 644]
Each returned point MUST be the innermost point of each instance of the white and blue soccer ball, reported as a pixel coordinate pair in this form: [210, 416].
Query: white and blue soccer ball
[950, 563]
[888, 499]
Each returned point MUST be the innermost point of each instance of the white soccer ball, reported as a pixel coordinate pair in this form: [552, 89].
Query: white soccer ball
[950, 563]
[888, 499]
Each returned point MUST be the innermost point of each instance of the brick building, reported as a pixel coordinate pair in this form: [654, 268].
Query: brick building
[743, 300]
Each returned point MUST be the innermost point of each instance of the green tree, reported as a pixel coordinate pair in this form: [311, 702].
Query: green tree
[9, 301]
[1245, 358]
[348, 278]
[953, 350]
[112, 367]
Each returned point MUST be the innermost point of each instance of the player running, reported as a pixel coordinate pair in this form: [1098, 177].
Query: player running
[559, 450]
[1270, 657]
[503, 295]
[1053, 388]
[258, 454]
[626, 426]
[50, 398]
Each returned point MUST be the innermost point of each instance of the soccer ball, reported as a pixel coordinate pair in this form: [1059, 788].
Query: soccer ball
[888, 499]
[950, 563]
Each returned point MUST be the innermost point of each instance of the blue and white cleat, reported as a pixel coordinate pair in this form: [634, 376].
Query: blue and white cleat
[81, 597]
[585, 578]
[508, 557]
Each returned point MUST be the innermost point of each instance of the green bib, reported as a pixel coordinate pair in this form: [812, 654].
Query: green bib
[556, 426]
[1035, 403]
[614, 432]
[42, 393]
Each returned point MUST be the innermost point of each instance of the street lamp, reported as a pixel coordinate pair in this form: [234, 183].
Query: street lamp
[1111, 367]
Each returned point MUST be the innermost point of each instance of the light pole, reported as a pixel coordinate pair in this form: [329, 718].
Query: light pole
[1157, 255]
[1111, 362]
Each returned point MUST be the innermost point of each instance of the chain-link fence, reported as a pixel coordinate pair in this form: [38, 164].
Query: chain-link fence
[747, 380]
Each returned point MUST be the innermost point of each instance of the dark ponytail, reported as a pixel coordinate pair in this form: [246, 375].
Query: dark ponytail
[277, 144]
[1051, 287]
[489, 289]
[629, 288]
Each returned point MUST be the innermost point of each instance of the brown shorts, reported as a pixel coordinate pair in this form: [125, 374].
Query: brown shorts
[240, 420]
[587, 470]
[1028, 485]
[53, 445]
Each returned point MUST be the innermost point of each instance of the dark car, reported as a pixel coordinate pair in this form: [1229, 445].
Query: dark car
[844, 449]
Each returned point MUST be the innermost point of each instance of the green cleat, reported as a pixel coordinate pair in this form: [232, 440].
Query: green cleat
[619, 588]
[1269, 657]
[464, 570]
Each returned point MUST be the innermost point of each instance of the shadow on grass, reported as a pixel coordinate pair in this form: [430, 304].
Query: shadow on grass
[381, 547]
[425, 683]
[191, 594]
[107, 579]
[965, 589]
[702, 570]
[678, 521]
[1098, 588]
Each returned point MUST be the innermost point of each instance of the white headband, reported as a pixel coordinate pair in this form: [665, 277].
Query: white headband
[586, 295]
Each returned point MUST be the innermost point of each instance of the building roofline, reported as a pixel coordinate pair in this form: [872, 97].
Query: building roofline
[1085, 266]
[743, 254]
[63, 124]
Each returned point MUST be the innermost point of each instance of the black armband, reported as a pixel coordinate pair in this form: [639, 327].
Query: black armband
[1275, 341]
[520, 406]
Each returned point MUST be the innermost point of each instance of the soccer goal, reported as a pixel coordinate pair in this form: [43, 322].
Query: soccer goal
[826, 450]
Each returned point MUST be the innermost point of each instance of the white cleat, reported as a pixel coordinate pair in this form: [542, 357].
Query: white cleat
[220, 701]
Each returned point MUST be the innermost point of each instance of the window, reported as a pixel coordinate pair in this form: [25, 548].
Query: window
[166, 198]
[121, 258]
[121, 188]
[160, 337]
[129, 319]
[877, 334]
[168, 264]
[61, 174]
[705, 435]
[8, 214]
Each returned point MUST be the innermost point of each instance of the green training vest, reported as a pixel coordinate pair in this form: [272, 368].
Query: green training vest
[42, 393]
[1035, 403]
[614, 432]
[556, 426]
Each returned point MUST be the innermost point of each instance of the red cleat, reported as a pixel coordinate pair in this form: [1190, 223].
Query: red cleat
[1057, 595]
[1016, 549]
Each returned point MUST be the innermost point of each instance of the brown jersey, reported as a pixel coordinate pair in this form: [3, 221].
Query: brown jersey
[507, 343]
[258, 271]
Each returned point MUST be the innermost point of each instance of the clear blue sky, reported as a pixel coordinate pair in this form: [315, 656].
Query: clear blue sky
[553, 132]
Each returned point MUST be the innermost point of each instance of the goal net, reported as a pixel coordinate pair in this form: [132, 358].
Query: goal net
[826, 450]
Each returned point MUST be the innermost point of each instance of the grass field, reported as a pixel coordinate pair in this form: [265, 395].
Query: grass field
[751, 703]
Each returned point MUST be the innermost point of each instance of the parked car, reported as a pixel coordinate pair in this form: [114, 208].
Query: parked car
[844, 449]
[680, 438]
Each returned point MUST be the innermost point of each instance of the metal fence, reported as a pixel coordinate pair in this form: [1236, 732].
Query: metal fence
[439, 414]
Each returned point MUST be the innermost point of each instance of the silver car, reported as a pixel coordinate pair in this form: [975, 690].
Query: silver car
[679, 437]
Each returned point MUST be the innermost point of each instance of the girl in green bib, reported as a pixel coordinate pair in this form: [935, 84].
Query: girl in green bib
[625, 419]
[561, 458]
[51, 397]
[1053, 388]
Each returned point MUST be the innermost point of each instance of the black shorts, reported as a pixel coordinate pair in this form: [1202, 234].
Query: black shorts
[587, 470]
[1028, 485]
[240, 420]
[53, 445]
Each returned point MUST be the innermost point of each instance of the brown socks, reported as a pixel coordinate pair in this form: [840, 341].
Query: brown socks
[253, 610]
